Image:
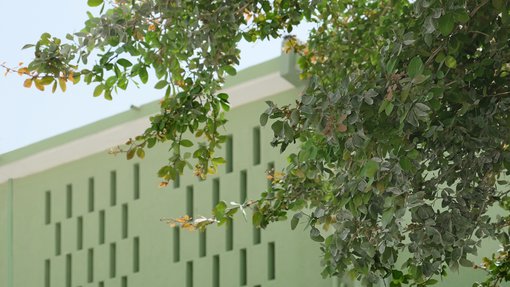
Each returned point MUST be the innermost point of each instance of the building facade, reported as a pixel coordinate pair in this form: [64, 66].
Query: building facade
[73, 215]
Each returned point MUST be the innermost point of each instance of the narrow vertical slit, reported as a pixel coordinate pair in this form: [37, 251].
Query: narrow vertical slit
[58, 239]
[69, 201]
[271, 272]
[230, 235]
[101, 227]
[243, 268]
[91, 194]
[216, 192]
[177, 181]
[243, 188]
[113, 260]
[177, 244]
[124, 221]
[123, 281]
[189, 201]
[47, 208]
[90, 265]
[257, 236]
[69, 271]
[189, 274]
[79, 235]
[136, 181]
[202, 243]
[216, 271]
[256, 145]
[47, 273]
[270, 173]
[229, 154]
[136, 254]
[113, 188]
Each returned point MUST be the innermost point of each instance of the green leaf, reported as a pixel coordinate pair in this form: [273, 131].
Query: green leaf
[140, 153]
[94, 3]
[161, 84]
[257, 218]
[218, 160]
[263, 119]
[144, 76]
[98, 90]
[230, 70]
[315, 235]
[450, 62]
[415, 67]
[124, 63]
[186, 143]
[446, 24]
[370, 169]
[219, 210]
[295, 220]
[28, 46]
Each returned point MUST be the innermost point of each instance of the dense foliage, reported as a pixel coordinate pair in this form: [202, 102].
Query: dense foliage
[403, 128]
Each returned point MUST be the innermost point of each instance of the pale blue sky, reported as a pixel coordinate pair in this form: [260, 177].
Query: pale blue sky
[28, 115]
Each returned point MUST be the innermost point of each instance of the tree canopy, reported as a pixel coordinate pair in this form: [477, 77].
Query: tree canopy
[402, 131]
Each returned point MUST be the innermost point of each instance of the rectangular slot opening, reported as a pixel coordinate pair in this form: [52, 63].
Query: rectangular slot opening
[101, 227]
[79, 233]
[243, 268]
[256, 145]
[58, 239]
[189, 201]
[257, 236]
[101, 284]
[69, 201]
[124, 221]
[136, 254]
[123, 281]
[90, 265]
[113, 260]
[243, 188]
[91, 194]
[136, 180]
[177, 244]
[113, 188]
[69, 269]
[271, 271]
[270, 173]
[216, 271]
[189, 274]
[47, 207]
[202, 243]
[47, 273]
[216, 192]
[230, 235]
[229, 156]
[177, 182]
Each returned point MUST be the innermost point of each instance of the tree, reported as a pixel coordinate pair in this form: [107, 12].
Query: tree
[402, 131]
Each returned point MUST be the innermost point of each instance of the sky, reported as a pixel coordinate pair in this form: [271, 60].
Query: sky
[28, 115]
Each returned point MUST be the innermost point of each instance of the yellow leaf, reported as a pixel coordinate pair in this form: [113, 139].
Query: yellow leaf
[27, 83]
[23, 70]
[38, 85]
[71, 76]
[62, 83]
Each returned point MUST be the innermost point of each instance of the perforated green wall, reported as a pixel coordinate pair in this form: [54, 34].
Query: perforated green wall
[96, 222]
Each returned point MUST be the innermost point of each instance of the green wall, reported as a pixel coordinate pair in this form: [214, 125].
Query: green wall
[99, 218]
